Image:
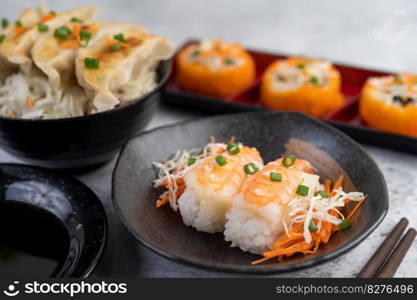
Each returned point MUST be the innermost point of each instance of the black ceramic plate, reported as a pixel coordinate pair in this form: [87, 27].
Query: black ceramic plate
[38, 196]
[162, 230]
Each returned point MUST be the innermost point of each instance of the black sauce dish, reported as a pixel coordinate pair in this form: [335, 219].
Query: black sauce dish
[50, 225]
[81, 141]
[330, 151]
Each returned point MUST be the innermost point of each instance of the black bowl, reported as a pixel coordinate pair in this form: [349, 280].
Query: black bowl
[75, 239]
[162, 230]
[80, 141]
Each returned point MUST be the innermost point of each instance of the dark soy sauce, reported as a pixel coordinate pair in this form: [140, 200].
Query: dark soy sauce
[33, 242]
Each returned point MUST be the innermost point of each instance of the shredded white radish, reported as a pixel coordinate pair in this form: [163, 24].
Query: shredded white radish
[176, 168]
[305, 209]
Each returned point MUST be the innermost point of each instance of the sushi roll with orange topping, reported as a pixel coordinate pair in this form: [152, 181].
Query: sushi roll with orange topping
[215, 68]
[389, 103]
[306, 85]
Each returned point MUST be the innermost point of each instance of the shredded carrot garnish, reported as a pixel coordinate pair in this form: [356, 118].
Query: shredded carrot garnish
[113, 42]
[30, 103]
[76, 28]
[288, 245]
[18, 30]
[180, 190]
[69, 44]
[338, 182]
[10, 115]
[355, 209]
[47, 17]
[327, 186]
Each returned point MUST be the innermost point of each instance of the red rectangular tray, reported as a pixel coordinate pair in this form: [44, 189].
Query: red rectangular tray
[346, 119]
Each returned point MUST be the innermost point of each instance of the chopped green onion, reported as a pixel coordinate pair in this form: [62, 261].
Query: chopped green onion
[300, 66]
[233, 148]
[191, 161]
[250, 168]
[4, 23]
[119, 37]
[18, 23]
[85, 37]
[76, 20]
[289, 160]
[345, 224]
[195, 53]
[302, 190]
[91, 63]
[275, 176]
[116, 47]
[314, 80]
[62, 32]
[52, 12]
[2, 38]
[220, 160]
[323, 194]
[229, 61]
[43, 27]
[312, 226]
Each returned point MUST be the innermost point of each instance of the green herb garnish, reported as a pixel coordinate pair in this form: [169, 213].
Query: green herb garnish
[229, 61]
[250, 168]
[2, 38]
[91, 63]
[289, 160]
[345, 224]
[275, 176]
[62, 32]
[220, 160]
[4, 23]
[76, 20]
[314, 80]
[312, 226]
[233, 148]
[191, 161]
[323, 194]
[119, 37]
[116, 47]
[43, 27]
[85, 37]
[18, 23]
[302, 190]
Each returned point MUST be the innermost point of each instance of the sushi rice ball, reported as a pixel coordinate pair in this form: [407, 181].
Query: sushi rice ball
[215, 68]
[389, 103]
[284, 209]
[210, 181]
[259, 212]
[311, 86]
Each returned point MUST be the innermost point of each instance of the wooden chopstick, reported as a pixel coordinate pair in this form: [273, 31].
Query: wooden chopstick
[397, 256]
[380, 256]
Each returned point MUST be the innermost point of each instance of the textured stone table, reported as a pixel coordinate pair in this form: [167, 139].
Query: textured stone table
[378, 34]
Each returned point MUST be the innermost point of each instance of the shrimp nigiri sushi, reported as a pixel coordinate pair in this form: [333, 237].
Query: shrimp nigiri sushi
[258, 213]
[389, 103]
[284, 209]
[310, 86]
[215, 68]
[205, 184]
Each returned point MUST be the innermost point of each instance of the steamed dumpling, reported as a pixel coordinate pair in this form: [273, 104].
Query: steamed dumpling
[20, 39]
[55, 56]
[119, 63]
